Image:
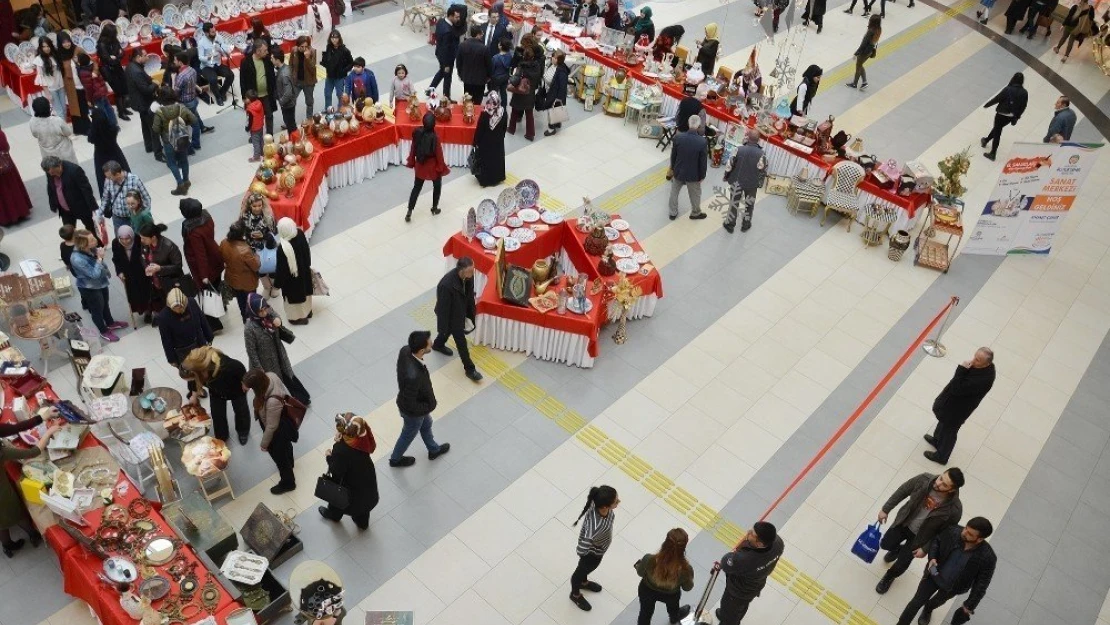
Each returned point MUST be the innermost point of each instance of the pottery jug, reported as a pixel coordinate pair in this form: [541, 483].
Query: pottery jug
[540, 270]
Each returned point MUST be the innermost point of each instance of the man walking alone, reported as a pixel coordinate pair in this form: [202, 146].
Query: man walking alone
[415, 401]
[932, 504]
[745, 175]
[971, 383]
[689, 162]
[454, 306]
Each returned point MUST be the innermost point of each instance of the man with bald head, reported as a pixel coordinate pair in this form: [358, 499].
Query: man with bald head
[971, 383]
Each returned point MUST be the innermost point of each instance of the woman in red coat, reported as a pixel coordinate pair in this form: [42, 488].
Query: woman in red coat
[202, 254]
[426, 158]
[15, 203]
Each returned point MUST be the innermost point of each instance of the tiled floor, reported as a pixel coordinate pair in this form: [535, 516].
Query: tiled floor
[764, 344]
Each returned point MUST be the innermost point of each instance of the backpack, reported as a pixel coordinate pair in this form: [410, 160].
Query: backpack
[180, 133]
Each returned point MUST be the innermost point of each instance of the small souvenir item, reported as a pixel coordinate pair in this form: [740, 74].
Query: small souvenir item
[606, 266]
[368, 113]
[471, 224]
[414, 108]
[443, 111]
[468, 109]
[596, 241]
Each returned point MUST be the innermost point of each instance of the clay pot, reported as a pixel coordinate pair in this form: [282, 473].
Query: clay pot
[265, 175]
[270, 163]
[269, 149]
[297, 170]
[540, 270]
[326, 136]
[258, 187]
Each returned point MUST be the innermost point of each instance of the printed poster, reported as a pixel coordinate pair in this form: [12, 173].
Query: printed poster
[1035, 190]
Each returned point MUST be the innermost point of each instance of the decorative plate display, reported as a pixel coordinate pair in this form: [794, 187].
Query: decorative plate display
[93, 30]
[233, 9]
[627, 265]
[641, 257]
[622, 250]
[572, 306]
[88, 44]
[146, 31]
[28, 47]
[551, 218]
[529, 215]
[511, 244]
[224, 12]
[153, 13]
[611, 233]
[132, 31]
[487, 214]
[507, 203]
[514, 222]
[529, 193]
[524, 235]
[620, 224]
[10, 51]
[470, 225]
[122, 23]
[153, 64]
[191, 17]
[488, 241]
[499, 231]
[176, 21]
[158, 21]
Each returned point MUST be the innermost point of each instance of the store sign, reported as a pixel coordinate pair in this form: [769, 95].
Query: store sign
[1036, 189]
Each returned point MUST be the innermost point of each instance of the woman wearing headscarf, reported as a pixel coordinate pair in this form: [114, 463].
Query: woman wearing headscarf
[127, 259]
[350, 464]
[13, 513]
[489, 140]
[52, 133]
[182, 327]
[643, 25]
[278, 434]
[202, 253]
[241, 265]
[15, 202]
[103, 135]
[426, 160]
[263, 334]
[709, 49]
[222, 375]
[612, 14]
[294, 272]
[161, 262]
[76, 103]
[811, 78]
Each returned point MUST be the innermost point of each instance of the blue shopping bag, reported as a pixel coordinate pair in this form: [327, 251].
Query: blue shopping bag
[867, 545]
[268, 258]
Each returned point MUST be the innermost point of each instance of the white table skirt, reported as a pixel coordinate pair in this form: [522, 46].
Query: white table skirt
[454, 153]
[543, 343]
[364, 167]
[318, 206]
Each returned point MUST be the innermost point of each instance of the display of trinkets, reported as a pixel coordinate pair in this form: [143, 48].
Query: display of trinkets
[468, 109]
[616, 93]
[443, 111]
[596, 241]
[414, 108]
[607, 266]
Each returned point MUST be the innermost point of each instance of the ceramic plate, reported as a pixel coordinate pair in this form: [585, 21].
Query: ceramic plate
[154, 13]
[153, 63]
[611, 233]
[158, 21]
[488, 241]
[223, 12]
[27, 47]
[10, 51]
[551, 217]
[529, 215]
[191, 17]
[628, 265]
[511, 244]
[641, 257]
[572, 306]
[175, 21]
[487, 214]
[132, 31]
[514, 222]
[170, 40]
[88, 44]
[507, 203]
[93, 30]
[524, 235]
[529, 193]
[620, 224]
[622, 250]
[499, 231]
[122, 23]
[146, 31]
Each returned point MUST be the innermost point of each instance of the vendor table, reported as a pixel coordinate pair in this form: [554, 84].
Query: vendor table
[568, 338]
[81, 569]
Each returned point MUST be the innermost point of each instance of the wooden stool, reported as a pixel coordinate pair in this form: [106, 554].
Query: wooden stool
[212, 495]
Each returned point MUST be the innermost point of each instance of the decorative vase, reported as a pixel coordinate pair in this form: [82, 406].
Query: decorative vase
[621, 335]
[899, 243]
[540, 270]
[596, 241]
[326, 136]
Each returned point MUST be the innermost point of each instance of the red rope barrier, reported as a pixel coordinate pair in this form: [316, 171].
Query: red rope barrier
[861, 407]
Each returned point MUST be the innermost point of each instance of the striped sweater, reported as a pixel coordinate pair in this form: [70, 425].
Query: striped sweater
[596, 533]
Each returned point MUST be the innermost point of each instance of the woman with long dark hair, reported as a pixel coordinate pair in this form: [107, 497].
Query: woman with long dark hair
[350, 464]
[665, 575]
[489, 140]
[337, 61]
[161, 262]
[426, 159]
[523, 104]
[109, 52]
[48, 75]
[278, 434]
[811, 78]
[264, 334]
[104, 137]
[593, 541]
[127, 259]
[867, 49]
[76, 102]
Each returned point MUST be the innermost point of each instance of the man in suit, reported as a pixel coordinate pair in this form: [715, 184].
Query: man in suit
[69, 192]
[140, 93]
[497, 28]
[689, 163]
[959, 560]
[447, 48]
[970, 384]
[257, 74]
[475, 64]
[455, 304]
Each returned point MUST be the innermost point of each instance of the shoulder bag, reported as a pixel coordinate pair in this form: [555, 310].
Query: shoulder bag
[319, 287]
[558, 114]
[474, 162]
[334, 493]
[291, 409]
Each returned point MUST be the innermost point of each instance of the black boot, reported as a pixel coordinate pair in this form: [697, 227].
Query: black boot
[408, 216]
[884, 584]
[12, 547]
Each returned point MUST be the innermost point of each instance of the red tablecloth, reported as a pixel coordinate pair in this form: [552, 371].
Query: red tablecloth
[454, 131]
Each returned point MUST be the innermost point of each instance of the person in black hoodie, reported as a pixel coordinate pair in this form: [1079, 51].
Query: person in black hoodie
[415, 401]
[454, 306]
[960, 397]
[746, 570]
[140, 93]
[337, 61]
[474, 63]
[447, 48]
[1011, 102]
[959, 561]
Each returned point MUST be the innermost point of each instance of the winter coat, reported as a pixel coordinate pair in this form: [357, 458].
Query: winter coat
[140, 87]
[228, 381]
[135, 284]
[447, 43]
[12, 512]
[962, 394]
[241, 265]
[707, 55]
[454, 303]
[307, 64]
[285, 92]
[746, 569]
[295, 289]
[914, 491]
[432, 168]
[748, 168]
[266, 351]
[557, 90]
[369, 85]
[77, 190]
[354, 469]
[645, 566]
[415, 396]
[168, 258]
[94, 84]
[88, 271]
[160, 125]
[270, 416]
[473, 62]
[182, 333]
[337, 62]
[1011, 101]
[248, 76]
[533, 71]
[978, 571]
[53, 135]
[689, 157]
[201, 251]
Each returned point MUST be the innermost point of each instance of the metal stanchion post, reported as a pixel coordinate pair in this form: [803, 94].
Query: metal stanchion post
[933, 346]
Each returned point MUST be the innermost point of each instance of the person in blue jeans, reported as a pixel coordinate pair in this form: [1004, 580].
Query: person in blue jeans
[92, 276]
[337, 62]
[415, 400]
[178, 162]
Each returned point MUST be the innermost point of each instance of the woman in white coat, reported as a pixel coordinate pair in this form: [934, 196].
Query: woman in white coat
[53, 134]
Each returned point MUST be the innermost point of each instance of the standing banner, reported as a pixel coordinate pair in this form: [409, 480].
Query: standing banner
[1036, 189]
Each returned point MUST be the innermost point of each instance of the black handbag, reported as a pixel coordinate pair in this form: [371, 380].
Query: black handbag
[335, 494]
[474, 162]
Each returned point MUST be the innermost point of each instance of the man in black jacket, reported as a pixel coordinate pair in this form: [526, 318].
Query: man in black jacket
[454, 306]
[140, 92]
[257, 73]
[932, 504]
[967, 388]
[415, 401]
[475, 65]
[959, 560]
[746, 571]
[447, 48]
[69, 192]
[689, 164]
[1010, 103]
